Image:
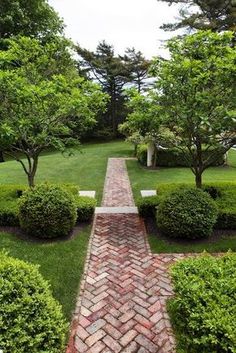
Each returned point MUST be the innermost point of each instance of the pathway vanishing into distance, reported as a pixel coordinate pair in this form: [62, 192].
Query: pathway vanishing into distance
[122, 301]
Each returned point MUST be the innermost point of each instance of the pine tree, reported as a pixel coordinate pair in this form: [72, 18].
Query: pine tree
[216, 15]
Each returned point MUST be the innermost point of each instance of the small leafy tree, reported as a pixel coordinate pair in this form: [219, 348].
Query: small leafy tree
[144, 123]
[195, 91]
[40, 107]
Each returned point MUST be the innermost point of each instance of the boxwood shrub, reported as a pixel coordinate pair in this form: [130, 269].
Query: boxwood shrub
[47, 211]
[147, 205]
[31, 319]
[203, 309]
[187, 213]
[85, 208]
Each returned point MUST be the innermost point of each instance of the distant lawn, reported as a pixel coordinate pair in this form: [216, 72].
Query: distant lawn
[61, 263]
[86, 169]
[142, 178]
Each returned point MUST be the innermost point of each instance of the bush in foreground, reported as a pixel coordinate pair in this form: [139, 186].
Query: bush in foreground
[47, 211]
[30, 319]
[187, 213]
[203, 310]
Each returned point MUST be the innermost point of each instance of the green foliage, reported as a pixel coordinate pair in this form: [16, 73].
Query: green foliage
[85, 208]
[31, 320]
[40, 106]
[187, 213]
[9, 195]
[142, 153]
[217, 15]
[47, 212]
[147, 205]
[196, 95]
[173, 157]
[204, 307]
[35, 18]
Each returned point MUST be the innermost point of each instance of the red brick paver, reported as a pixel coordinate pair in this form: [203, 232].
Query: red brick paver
[117, 190]
[122, 303]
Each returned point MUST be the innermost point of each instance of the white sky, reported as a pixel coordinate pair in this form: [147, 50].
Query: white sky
[122, 23]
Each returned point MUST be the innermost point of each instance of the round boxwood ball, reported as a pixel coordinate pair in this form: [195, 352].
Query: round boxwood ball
[187, 213]
[47, 211]
[31, 319]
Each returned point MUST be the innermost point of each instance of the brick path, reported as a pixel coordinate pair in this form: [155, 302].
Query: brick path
[122, 303]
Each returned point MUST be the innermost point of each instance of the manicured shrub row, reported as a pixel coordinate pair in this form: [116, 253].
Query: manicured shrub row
[85, 208]
[31, 319]
[224, 195]
[203, 309]
[10, 194]
[174, 157]
[47, 211]
[187, 213]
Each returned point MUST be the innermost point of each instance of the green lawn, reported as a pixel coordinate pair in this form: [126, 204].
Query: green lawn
[61, 263]
[86, 168]
[142, 178]
[222, 244]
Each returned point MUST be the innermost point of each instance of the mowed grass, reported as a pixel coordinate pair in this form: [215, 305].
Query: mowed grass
[86, 167]
[221, 244]
[61, 262]
[142, 178]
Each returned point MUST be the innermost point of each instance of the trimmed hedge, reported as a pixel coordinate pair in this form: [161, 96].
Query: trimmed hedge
[224, 195]
[203, 310]
[173, 157]
[31, 320]
[9, 195]
[187, 213]
[47, 211]
[147, 205]
[85, 208]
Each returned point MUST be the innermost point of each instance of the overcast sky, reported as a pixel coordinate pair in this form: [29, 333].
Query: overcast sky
[123, 23]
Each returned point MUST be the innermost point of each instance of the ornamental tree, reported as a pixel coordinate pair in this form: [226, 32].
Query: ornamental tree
[196, 92]
[39, 106]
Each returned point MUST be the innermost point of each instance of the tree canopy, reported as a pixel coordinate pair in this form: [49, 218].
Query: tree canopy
[42, 102]
[195, 98]
[34, 18]
[215, 15]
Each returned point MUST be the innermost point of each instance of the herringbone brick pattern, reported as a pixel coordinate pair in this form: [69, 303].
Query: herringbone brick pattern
[117, 190]
[122, 303]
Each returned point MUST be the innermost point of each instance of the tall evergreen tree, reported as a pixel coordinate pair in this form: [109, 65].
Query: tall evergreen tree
[216, 15]
[137, 66]
[111, 72]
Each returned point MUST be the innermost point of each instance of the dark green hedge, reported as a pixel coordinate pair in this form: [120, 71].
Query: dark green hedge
[203, 309]
[85, 208]
[173, 157]
[9, 195]
[187, 213]
[223, 193]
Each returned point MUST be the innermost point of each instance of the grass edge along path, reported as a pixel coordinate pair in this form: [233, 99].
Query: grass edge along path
[61, 262]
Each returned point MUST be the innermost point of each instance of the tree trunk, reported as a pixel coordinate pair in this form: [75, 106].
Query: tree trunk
[154, 163]
[198, 179]
[1, 157]
[31, 180]
[32, 172]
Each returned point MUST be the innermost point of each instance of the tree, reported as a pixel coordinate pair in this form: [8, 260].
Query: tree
[39, 106]
[196, 93]
[137, 66]
[34, 18]
[144, 123]
[215, 15]
[111, 73]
